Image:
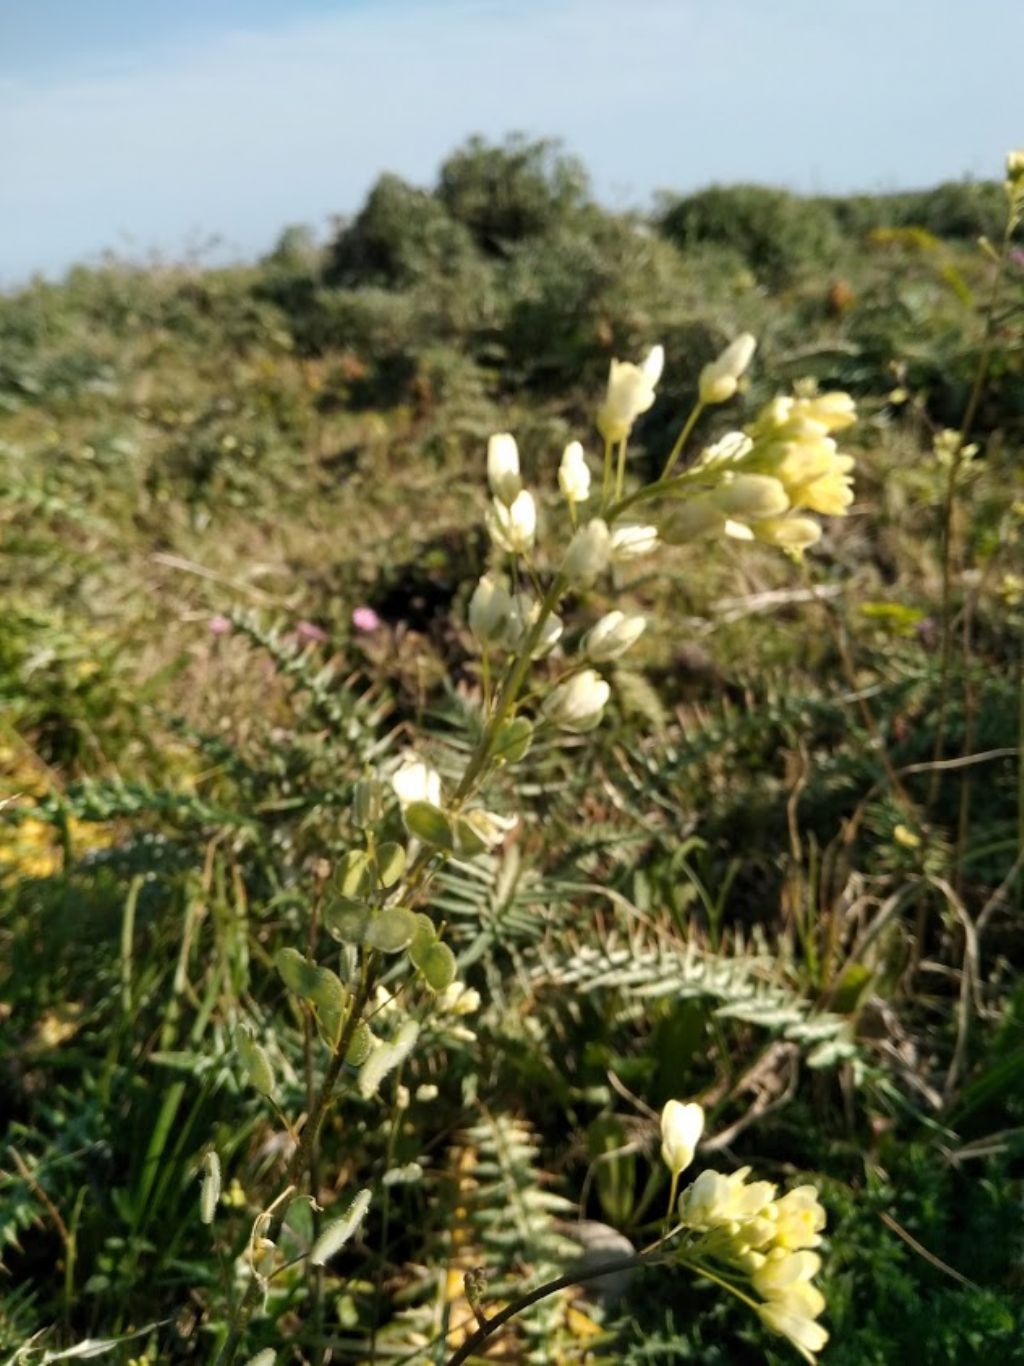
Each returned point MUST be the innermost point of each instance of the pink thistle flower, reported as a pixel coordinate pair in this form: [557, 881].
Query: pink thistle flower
[366, 619]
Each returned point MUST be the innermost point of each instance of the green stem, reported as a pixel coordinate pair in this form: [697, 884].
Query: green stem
[620, 471]
[301, 1158]
[682, 438]
[606, 482]
[486, 1330]
[509, 692]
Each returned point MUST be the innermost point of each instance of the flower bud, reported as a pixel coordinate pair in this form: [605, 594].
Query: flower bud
[720, 379]
[793, 534]
[612, 636]
[574, 474]
[589, 552]
[577, 705]
[632, 540]
[489, 609]
[630, 393]
[503, 467]
[513, 525]
[1015, 166]
[751, 497]
[415, 781]
[692, 520]
[523, 613]
[681, 1128]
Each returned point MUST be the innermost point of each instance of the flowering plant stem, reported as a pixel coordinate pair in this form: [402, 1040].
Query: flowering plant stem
[490, 1326]
[302, 1157]
[681, 440]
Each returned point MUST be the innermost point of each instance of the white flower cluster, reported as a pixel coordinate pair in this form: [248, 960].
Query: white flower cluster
[750, 1229]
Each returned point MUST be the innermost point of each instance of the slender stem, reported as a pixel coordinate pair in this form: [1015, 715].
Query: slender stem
[301, 1158]
[606, 482]
[620, 470]
[682, 438]
[491, 1326]
[509, 692]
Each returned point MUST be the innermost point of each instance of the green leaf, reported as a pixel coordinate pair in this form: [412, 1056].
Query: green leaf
[512, 741]
[392, 930]
[256, 1062]
[438, 966]
[354, 875]
[339, 1231]
[347, 919]
[390, 864]
[429, 824]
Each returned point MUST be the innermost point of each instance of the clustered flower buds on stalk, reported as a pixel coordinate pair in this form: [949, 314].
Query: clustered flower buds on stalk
[748, 1230]
[758, 484]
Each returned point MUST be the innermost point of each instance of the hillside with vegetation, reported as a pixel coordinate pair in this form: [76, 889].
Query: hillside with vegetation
[243, 512]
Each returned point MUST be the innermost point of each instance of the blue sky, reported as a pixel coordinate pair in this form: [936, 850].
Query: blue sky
[153, 125]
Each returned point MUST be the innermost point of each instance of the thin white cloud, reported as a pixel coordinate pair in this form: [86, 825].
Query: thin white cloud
[258, 128]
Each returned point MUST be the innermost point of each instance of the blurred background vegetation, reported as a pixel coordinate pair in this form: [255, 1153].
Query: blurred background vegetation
[785, 878]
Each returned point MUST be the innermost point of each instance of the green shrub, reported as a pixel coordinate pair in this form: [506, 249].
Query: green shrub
[775, 232]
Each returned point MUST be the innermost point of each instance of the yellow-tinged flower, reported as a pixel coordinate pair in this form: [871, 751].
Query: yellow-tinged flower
[574, 474]
[490, 828]
[578, 704]
[1015, 165]
[503, 467]
[751, 497]
[681, 1128]
[780, 1271]
[631, 391]
[589, 552]
[714, 1200]
[612, 636]
[720, 379]
[793, 534]
[799, 1218]
[783, 1318]
[513, 526]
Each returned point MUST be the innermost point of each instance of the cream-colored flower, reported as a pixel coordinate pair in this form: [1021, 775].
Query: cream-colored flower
[589, 552]
[490, 608]
[458, 999]
[793, 534]
[513, 526]
[631, 391]
[574, 474]
[415, 781]
[714, 1200]
[612, 636]
[490, 828]
[751, 497]
[578, 704]
[783, 1318]
[1015, 165]
[503, 467]
[681, 1128]
[720, 379]
[631, 540]
[799, 1218]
